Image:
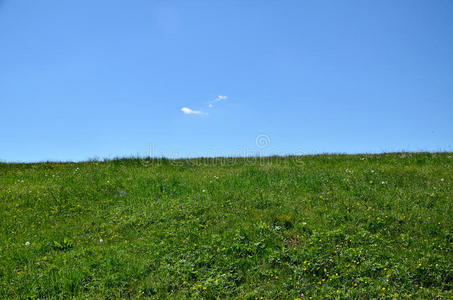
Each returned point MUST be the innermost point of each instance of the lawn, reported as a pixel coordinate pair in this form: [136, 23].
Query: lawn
[309, 227]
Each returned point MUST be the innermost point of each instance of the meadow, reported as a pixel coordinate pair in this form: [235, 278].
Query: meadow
[297, 227]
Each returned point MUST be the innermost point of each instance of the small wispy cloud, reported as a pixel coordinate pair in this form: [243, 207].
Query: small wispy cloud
[211, 103]
[216, 100]
[189, 111]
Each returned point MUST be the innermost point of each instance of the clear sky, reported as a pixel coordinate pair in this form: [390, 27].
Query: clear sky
[98, 79]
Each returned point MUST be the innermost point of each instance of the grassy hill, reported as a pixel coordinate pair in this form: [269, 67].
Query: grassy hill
[339, 226]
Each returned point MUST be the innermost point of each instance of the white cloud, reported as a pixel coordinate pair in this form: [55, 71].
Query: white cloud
[216, 100]
[211, 103]
[189, 111]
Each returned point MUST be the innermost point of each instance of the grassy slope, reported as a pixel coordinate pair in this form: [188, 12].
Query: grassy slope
[313, 226]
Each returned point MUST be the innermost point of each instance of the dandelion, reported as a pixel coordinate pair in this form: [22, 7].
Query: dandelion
[441, 179]
[27, 243]
[101, 240]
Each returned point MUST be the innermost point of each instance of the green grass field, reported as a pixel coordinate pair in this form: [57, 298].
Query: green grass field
[325, 226]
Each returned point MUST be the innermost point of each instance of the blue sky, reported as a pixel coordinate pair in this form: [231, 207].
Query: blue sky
[98, 79]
